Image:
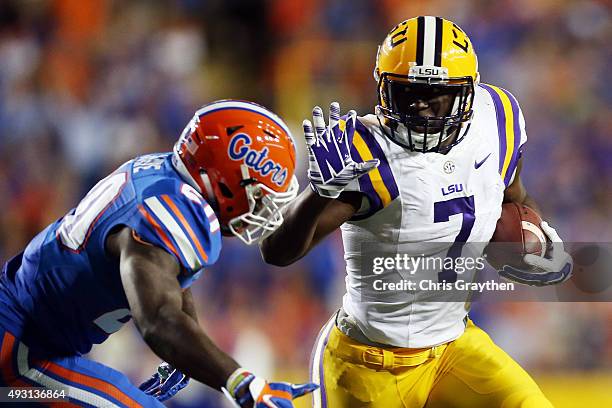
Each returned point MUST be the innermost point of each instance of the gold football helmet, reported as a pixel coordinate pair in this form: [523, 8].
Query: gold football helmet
[426, 70]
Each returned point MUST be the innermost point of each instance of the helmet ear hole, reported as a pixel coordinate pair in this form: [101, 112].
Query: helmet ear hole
[225, 190]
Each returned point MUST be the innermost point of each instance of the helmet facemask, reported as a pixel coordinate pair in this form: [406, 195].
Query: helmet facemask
[401, 97]
[265, 209]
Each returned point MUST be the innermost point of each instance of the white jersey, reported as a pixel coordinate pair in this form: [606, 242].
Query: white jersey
[423, 202]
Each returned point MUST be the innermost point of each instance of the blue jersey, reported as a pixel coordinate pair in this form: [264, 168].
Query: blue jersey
[63, 294]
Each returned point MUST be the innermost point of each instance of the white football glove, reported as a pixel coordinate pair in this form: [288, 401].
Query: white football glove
[555, 268]
[331, 167]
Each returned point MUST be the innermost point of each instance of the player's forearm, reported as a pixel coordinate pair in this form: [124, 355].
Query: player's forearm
[179, 340]
[294, 237]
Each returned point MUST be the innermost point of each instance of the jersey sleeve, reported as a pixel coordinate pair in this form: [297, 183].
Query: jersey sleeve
[378, 186]
[510, 130]
[521, 147]
[184, 225]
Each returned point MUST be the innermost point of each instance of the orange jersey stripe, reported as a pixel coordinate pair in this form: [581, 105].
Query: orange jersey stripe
[160, 231]
[6, 357]
[95, 383]
[186, 225]
[62, 404]
[6, 363]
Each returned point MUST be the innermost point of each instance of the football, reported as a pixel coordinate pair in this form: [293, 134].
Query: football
[517, 233]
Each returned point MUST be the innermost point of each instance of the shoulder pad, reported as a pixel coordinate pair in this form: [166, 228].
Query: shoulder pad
[183, 224]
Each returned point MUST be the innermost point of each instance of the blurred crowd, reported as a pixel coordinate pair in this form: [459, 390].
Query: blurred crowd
[86, 85]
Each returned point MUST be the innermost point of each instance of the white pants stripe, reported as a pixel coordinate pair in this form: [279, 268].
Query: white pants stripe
[44, 380]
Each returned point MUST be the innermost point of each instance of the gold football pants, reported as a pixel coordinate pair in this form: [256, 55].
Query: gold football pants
[470, 371]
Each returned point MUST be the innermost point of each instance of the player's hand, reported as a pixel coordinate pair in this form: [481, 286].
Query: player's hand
[331, 167]
[246, 391]
[165, 383]
[552, 269]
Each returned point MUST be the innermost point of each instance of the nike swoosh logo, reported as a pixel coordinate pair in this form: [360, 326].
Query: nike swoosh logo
[480, 163]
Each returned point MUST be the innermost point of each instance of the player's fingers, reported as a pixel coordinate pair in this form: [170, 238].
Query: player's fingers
[150, 383]
[319, 122]
[557, 242]
[173, 379]
[345, 137]
[561, 259]
[567, 270]
[153, 390]
[516, 275]
[532, 279]
[538, 262]
[297, 390]
[309, 133]
[351, 119]
[334, 114]
[550, 232]
[510, 277]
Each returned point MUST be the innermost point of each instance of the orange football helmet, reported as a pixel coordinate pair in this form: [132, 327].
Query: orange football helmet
[241, 157]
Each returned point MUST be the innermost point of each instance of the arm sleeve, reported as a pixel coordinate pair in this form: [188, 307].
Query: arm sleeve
[510, 130]
[185, 227]
[521, 147]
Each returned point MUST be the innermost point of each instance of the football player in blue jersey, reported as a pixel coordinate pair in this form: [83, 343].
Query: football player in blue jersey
[132, 248]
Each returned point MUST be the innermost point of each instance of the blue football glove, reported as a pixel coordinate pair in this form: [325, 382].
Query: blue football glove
[546, 271]
[165, 383]
[330, 167]
[246, 390]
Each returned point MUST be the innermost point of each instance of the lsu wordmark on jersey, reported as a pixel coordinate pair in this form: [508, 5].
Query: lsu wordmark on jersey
[448, 147]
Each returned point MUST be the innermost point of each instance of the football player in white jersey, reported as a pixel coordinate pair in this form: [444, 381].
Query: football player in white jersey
[426, 173]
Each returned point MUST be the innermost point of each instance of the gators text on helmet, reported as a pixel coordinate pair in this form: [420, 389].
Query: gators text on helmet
[241, 156]
[424, 61]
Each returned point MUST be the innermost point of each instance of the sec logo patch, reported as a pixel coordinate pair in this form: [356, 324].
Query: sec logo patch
[449, 167]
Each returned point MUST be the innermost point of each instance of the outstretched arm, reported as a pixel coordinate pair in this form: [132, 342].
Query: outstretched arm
[164, 314]
[308, 220]
[326, 205]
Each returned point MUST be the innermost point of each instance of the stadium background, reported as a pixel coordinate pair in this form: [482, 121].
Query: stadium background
[85, 85]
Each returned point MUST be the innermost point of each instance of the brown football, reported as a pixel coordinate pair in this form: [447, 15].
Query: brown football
[517, 233]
